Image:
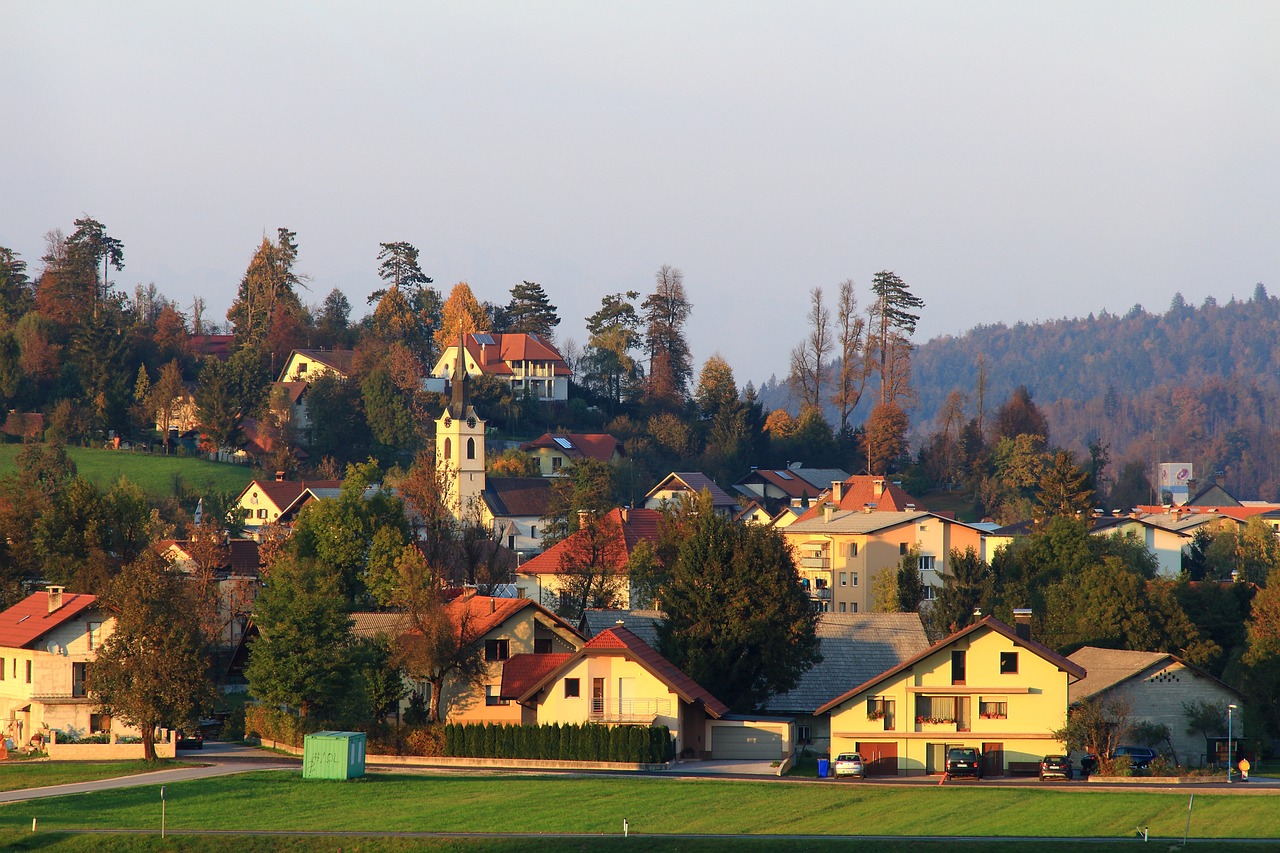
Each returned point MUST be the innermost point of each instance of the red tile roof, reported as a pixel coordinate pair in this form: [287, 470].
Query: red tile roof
[30, 619]
[599, 446]
[522, 672]
[217, 346]
[337, 359]
[1065, 664]
[482, 613]
[510, 348]
[284, 493]
[861, 490]
[626, 526]
[621, 640]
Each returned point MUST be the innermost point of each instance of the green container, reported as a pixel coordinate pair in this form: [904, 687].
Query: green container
[333, 755]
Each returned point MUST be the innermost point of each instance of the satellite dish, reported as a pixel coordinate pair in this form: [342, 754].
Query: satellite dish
[55, 649]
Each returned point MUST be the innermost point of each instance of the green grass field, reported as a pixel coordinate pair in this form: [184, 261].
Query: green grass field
[385, 802]
[158, 476]
[15, 775]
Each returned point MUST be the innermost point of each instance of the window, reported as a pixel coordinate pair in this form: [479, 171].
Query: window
[930, 591]
[842, 607]
[957, 667]
[448, 444]
[844, 579]
[556, 462]
[925, 563]
[853, 608]
[492, 695]
[902, 547]
[853, 549]
[804, 734]
[99, 723]
[533, 531]
[572, 688]
[822, 583]
[28, 672]
[1, 669]
[496, 650]
[471, 448]
[262, 513]
[95, 635]
[993, 708]
[77, 679]
[542, 645]
[302, 367]
[1008, 663]
[853, 576]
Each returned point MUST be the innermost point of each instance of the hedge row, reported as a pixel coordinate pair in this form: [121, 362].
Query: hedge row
[569, 742]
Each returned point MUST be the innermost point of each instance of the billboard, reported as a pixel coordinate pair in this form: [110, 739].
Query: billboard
[1175, 479]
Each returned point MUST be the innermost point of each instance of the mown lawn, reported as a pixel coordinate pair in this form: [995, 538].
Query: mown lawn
[282, 800]
[158, 476]
[15, 775]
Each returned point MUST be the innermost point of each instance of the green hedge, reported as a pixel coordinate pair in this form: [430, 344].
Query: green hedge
[552, 742]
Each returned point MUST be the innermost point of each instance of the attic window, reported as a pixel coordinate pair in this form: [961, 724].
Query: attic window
[1008, 663]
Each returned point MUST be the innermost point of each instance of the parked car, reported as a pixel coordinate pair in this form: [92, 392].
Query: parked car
[189, 739]
[1140, 757]
[1056, 766]
[964, 761]
[850, 764]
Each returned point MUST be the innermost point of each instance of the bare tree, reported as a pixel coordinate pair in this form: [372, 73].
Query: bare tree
[809, 358]
[851, 338]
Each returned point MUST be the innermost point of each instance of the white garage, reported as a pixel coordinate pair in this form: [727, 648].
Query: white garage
[761, 739]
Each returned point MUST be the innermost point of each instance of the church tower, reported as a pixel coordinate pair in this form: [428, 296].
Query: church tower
[460, 441]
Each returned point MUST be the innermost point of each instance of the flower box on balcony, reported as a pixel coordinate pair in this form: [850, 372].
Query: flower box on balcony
[936, 721]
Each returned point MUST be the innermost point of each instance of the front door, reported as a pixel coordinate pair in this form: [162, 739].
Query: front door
[993, 759]
[597, 696]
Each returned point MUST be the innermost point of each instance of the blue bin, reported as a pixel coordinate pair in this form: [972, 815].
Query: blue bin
[824, 766]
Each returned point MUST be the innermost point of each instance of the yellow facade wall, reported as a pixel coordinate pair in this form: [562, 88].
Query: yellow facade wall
[1033, 700]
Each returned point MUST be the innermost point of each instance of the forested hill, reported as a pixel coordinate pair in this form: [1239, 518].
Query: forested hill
[1199, 384]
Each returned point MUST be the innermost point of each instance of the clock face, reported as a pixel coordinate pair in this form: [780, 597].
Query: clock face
[448, 422]
[471, 422]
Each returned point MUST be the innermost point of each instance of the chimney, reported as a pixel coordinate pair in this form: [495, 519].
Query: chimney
[55, 597]
[1022, 622]
[624, 512]
[493, 604]
[826, 514]
[837, 490]
[583, 516]
[877, 486]
[279, 476]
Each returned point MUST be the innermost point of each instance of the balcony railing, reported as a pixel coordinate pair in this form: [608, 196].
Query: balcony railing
[64, 698]
[819, 594]
[815, 563]
[629, 710]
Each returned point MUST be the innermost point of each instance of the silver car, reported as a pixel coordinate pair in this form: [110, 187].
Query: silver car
[849, 764]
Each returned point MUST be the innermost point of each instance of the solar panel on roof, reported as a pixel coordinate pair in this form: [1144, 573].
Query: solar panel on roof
[563, 442]
[484, 338]
[783, 474]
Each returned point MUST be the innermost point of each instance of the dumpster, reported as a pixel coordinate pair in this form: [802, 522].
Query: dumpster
[824, 767]
[333, 755]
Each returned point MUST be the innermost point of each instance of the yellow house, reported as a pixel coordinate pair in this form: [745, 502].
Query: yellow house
[615, 679]
[987, 686]
[839, 552]
[307, 365]
[501, 629]
[46, 643]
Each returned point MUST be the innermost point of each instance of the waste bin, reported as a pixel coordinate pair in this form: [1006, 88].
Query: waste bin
[824, 767]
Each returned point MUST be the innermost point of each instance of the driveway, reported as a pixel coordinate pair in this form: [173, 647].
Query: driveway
[725, 767]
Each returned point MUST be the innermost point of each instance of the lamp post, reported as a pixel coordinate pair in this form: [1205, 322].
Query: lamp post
[1230, 711]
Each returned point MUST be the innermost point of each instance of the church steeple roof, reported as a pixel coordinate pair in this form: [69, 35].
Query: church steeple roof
[458, 385]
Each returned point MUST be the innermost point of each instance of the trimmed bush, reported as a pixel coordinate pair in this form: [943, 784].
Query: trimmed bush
[552, 742]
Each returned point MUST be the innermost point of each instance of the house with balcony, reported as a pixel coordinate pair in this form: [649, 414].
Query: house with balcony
[989, 686]
[46, 643]
[523, 362]
[839, 553]
[616, 678]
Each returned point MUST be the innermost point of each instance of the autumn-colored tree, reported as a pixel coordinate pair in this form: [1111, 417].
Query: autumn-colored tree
[809, 358]
[851, 344]
[885, 437]
[591, 566]
[666, 310]
[151, 671]
[1021, 416]
[461, 314]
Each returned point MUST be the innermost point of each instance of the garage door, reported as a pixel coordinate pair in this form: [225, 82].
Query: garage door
[746, 742]
[881, 759]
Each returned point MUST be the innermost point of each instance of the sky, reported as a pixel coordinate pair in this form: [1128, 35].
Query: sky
[1011, 161]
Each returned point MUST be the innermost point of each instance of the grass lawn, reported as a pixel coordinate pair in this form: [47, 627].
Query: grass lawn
[158, 476]
[15, 775]
[281, 800]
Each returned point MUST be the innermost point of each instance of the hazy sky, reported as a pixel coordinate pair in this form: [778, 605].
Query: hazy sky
[1011, 161]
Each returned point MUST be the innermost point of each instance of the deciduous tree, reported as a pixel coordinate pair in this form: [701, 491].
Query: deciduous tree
[666, 310]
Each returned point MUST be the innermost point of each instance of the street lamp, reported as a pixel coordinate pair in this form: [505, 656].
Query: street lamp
[1230, 710]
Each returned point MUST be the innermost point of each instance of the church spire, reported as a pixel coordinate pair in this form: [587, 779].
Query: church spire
[458, 393]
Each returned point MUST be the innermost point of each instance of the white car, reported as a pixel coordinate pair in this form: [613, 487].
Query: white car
[849, 764]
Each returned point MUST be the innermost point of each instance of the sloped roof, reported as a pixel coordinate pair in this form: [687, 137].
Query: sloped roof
[796, 483]
[627, 526]
[695, 482]
[855, 648]
[284, 493]
[860, 491]
[242, 554]
[599, 446]
[517, 496]
[619, 640]
[215, 346]
[370, 624]
[1108, 667]
[292, 391]
[642, 623]
[989, 622]
[337, 359]
[509, 348]
[847, 521]
[30, 619]
[520, 672]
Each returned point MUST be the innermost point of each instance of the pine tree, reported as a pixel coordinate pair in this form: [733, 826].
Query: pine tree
[893, 323]
[666, 310]
[531, 312]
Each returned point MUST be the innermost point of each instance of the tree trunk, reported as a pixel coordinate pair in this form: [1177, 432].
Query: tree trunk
[148, 742]
[433, 713]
